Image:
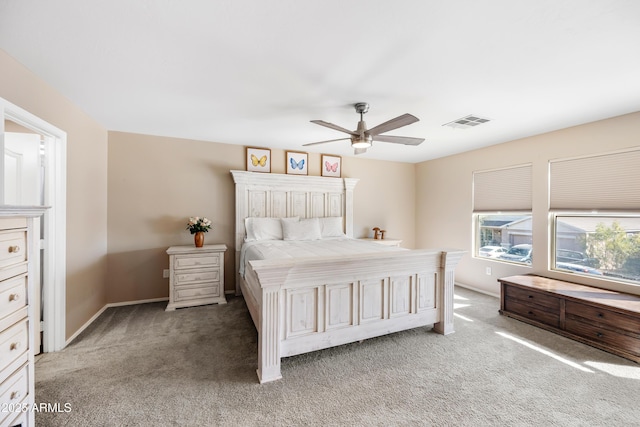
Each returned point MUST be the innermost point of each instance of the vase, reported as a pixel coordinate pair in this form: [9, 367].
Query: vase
[199, 239]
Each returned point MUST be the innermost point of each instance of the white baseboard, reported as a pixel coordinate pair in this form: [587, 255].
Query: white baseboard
[481, 291]
[109, 305]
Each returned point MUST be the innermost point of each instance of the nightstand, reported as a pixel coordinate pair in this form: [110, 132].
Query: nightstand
[386, 242]
[196, 276]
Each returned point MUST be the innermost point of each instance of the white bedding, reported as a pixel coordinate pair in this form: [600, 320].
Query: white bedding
[281, 249]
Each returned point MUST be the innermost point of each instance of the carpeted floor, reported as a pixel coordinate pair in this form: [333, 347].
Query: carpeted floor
[142, 366]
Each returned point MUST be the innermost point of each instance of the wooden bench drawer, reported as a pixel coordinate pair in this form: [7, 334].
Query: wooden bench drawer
[532, 297]
[603, 316]
[603, 335]
[532, 312]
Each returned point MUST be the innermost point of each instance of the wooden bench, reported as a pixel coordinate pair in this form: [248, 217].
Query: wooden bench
[604, 319]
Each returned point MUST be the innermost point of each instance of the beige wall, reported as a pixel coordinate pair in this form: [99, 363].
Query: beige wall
[444, 194]
[156, 183]
[86, 187]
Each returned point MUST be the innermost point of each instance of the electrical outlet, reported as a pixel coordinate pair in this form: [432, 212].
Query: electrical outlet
[165, 273]
[488, 271]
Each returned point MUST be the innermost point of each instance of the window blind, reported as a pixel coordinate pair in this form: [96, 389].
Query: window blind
[602, 182]
[507, 189]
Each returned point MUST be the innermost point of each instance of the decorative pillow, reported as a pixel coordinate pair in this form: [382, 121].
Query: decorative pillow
[331, 226]
[260, 228]
[305, 229]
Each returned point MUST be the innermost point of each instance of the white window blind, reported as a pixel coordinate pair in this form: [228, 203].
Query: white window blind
[506, 189]
[602, 182]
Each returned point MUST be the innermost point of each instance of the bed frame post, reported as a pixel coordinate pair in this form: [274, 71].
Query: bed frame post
[269, 336]
[349, 186]
[446, 284]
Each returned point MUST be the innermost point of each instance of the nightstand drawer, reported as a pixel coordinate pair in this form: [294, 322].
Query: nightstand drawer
[197, 276]
[13, 342]
[13, 295]
[192, 261]
[13, 248]
[184, 293]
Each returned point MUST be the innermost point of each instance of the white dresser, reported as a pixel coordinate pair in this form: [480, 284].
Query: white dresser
[17, 321]
[196, 275]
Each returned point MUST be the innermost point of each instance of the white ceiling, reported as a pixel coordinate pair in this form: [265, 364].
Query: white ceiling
[255, 72]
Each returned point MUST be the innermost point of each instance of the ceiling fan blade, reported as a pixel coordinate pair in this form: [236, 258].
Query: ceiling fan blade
[323, 142]
[332, 126]
[403, 120]
[406, 140]
[359, 150]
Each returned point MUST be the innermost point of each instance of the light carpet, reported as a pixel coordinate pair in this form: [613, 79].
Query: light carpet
[141, 366]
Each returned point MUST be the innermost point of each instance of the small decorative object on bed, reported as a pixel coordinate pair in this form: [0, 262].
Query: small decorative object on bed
[297, 163]
[198, 226]
[258, 159]
[331, 166]
[309, 285]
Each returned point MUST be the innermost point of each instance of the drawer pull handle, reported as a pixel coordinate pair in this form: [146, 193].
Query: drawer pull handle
[530, 313]
[14, 297]
[600, 315]
[530, 296]
[15, 395]
[14, 249]
[599, 334]
[14, 346]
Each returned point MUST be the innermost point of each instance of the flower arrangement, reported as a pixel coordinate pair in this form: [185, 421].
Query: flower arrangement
[197, 224]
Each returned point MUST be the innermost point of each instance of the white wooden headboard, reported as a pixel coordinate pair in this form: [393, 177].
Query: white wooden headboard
[279, 196]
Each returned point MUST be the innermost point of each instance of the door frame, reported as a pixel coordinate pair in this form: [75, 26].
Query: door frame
[55, 197]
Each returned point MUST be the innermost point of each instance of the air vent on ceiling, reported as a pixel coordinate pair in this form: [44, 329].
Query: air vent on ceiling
[467, 122]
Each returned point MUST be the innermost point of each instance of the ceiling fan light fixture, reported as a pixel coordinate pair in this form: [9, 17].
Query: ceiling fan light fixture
[358, 142]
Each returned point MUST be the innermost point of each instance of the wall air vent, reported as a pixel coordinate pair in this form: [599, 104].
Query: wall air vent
[467, 122]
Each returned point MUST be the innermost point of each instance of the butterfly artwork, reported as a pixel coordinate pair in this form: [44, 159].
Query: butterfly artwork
[258, 159]
[297, 163]
[331, 166]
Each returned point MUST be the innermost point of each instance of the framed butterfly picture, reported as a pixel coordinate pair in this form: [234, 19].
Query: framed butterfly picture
[258, 159]
[331, 165]
[297, 163]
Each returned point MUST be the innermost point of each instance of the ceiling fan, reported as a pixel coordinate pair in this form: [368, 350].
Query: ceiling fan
[362, 138]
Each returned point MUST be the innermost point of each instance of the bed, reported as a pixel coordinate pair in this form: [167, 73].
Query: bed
[314, 301]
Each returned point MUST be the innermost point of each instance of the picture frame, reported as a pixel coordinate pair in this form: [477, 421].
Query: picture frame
[331, 166]
[297, 163]
[258, 159]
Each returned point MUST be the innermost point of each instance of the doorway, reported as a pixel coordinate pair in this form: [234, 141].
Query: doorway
[34, 173]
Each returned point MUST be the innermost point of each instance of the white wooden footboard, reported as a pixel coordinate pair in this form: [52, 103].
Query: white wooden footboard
[303, 305]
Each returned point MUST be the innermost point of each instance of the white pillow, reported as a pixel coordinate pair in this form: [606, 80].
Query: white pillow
[260, 228]
[331, 226]
[305, 229]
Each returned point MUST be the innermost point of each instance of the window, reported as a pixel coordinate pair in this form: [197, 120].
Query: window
[502, 214]
[595, 201]
[598, 245]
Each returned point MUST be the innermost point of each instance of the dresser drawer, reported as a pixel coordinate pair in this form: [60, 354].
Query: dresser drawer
[13, 342]
[603, 316]
[188, 293]
[532, 297]
[532, 312]
[13, 295]
[197, 276]
[13, 391]
[13, 248]
[603, 335]
[192, 261]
